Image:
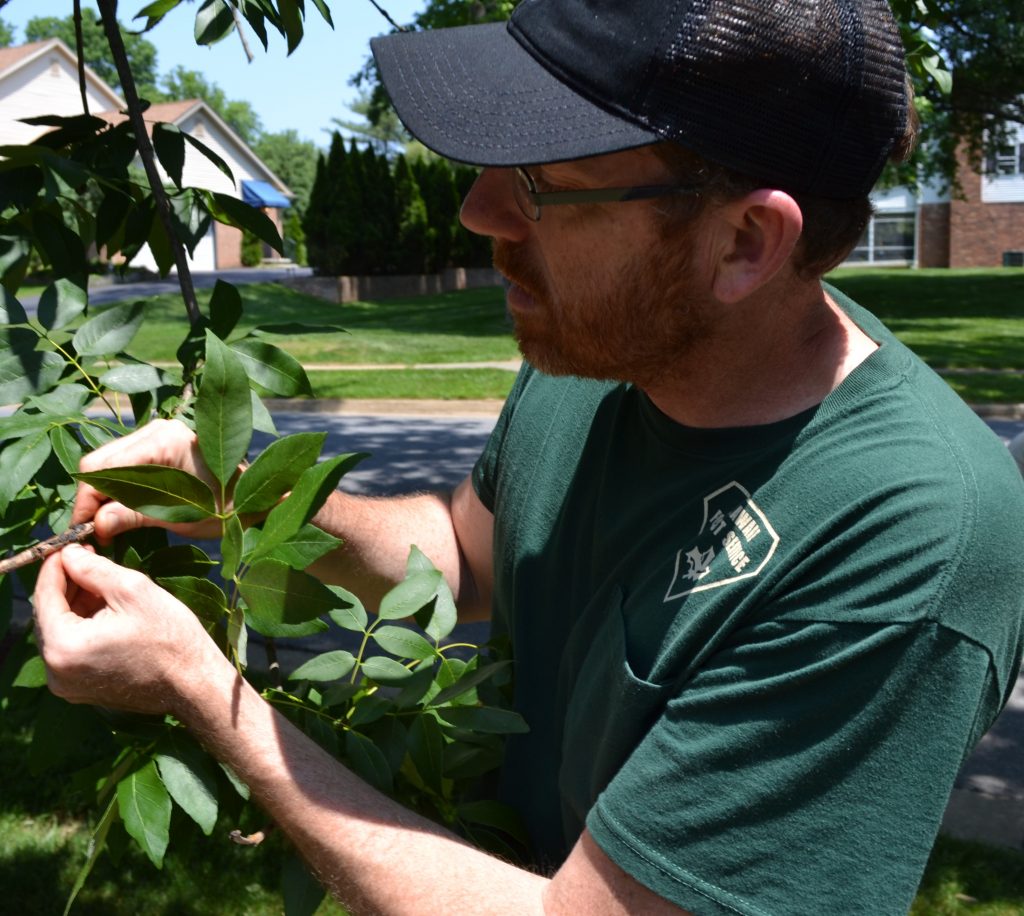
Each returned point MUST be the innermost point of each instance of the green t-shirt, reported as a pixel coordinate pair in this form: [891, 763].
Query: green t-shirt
[753, 659]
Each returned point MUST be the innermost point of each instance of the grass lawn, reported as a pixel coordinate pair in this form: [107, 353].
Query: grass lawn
[954, 318]
[951, 318]
[452, 327]
[44, 836]
[442, 384]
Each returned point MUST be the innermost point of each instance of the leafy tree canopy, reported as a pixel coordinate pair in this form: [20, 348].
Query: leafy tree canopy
[181, 83]
[982, 44]
[141, 53]
[380, 128]
[6, 34]
[292, 159]
[966, 59]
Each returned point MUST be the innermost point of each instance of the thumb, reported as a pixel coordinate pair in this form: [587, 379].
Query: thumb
[112, 519]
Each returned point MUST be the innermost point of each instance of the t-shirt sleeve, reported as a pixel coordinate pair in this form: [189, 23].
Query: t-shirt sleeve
[794, 763]
[485, 471]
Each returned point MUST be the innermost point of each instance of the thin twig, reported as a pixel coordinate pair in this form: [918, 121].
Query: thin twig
[108, 13]
[80, 48]
[241, 35]
[74, 535]
[387, 15]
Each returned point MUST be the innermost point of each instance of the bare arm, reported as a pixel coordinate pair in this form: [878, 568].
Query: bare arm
[454, 530]
[110, 636]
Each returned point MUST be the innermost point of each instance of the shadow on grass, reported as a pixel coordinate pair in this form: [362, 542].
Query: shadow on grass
[964, 877]
[470, 313]
[908, 294]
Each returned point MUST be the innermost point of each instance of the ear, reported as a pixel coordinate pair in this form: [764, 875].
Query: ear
[756, 235]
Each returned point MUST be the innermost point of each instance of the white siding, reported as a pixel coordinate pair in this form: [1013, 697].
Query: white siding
[200, 172]
[46, 85]
[1005, 189]
[894, 200]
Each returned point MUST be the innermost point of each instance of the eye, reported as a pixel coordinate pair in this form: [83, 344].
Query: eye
[543, 185]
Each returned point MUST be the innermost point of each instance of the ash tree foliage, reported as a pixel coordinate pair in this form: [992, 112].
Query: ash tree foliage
[415, 715]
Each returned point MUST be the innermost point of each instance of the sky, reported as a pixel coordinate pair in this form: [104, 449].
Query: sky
[303, 92]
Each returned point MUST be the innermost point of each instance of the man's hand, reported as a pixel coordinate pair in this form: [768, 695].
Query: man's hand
[111, 637]
[167, 442]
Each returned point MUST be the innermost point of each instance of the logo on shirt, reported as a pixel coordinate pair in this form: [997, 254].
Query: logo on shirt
[735, 542]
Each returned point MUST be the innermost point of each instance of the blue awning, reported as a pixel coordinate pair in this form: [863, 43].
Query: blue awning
[263, 194]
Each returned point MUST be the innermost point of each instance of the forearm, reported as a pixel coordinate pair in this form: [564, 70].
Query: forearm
[369, 852]
[377, 535]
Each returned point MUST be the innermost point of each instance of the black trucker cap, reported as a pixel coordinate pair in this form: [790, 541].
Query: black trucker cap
[807, 95]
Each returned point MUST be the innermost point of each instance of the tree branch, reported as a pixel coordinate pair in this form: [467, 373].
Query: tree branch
[108, 13]
[241, 35]
[80, 49]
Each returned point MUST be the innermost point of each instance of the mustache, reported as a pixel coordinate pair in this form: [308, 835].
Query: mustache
[514, 263]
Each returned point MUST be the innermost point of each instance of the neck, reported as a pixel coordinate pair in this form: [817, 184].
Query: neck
[764, 361]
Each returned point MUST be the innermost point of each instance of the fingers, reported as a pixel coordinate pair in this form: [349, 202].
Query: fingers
[167, 442]
[50, 596]
[91, 572]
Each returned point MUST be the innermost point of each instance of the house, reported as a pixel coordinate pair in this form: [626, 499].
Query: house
[982, 226]
[42, 78]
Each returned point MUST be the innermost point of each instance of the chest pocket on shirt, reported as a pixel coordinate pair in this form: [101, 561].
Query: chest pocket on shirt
[608, 712]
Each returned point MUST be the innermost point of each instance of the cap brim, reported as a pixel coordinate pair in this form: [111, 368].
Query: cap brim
[475, 95]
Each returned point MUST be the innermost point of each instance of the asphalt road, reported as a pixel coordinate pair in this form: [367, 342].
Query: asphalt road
[116, 292]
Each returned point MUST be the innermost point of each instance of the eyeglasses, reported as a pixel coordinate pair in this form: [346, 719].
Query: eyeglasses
[530, 200]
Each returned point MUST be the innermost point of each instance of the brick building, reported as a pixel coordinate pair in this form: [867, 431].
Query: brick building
[983, 226]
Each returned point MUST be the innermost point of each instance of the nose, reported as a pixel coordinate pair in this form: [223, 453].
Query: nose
[490, 207]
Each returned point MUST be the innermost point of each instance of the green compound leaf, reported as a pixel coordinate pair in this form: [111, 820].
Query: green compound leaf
[169, 145]
[61, 303]
[349, 612]
[231, 547]
[164, 493]
[486, 719]
[133, 379]
[403, 643]
[23, 373]
[205, 599]
[32, 674]
[467, 683]
[367, 761]
[331, 666]
[110, 331]
[271, 367]
[386, 670]
[426, 748]
[223, 410]
[214, 21]
[283, 601]
[411, 594]
[310, 492]
[301, 892]
[96, 846]
[20, 461]
[225, 308]
[11, 310]
[190, 779]
[306, 547]
[275, 471]
[145, 807]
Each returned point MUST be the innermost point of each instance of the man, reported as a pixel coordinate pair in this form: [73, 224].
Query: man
[760, 568]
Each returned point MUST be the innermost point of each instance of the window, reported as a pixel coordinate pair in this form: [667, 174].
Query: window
[1007, 160]
[889, 237]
